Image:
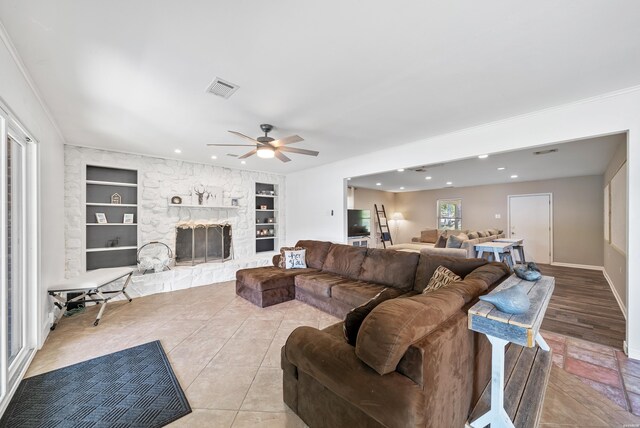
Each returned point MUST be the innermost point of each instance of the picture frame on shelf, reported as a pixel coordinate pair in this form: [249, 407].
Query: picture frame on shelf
[101, 218]
[128, 218]
[176, 200]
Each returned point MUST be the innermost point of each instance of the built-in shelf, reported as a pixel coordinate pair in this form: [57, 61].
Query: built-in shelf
[224, 207]
[97, 250]
[266, 220]
[265, 237]
[111, 183]
[266, 196]
[112, 224]
[98, 204]
[265, 210]
[266, 224]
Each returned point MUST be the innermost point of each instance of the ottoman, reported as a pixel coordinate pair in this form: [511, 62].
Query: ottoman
[269, 285]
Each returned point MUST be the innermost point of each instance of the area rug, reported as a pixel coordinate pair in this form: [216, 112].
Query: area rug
[135, 387]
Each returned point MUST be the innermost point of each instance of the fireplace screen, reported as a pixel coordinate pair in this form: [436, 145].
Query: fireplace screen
[203, 243]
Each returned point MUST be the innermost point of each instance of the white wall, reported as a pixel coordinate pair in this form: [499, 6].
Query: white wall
[315, 193]
[17, 94]
[367, 199]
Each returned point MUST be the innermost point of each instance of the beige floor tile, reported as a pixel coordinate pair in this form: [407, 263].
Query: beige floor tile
[198, 350]
[272, 357]
[205, 418]
[220, 387]
[267, 420]
[265, 394]
[242, 352]
[258, 329]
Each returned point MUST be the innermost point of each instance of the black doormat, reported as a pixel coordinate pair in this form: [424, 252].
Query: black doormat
[135, 387]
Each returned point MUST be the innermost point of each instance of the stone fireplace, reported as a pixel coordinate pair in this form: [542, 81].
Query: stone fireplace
[203, 243]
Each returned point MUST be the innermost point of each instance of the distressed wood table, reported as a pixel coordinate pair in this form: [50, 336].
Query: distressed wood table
[518, 245]
[498, 249]
[501, 329]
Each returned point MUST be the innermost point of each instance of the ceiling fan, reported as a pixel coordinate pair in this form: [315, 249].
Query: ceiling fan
[267, 147]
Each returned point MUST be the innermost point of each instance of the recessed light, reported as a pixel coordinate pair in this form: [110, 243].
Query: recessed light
[402, 188]
[483, 156]
[449, 183]
[400, 169]
[514, 176]
[501, 168]
[177, 151]
[428, 177]
[214, 157]
[243, 162]
[378, 184]
[349, 178]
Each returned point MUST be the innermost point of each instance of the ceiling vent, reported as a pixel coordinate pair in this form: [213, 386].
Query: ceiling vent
[545, 152]
[222, 88]
[425, 168]
[232, 155]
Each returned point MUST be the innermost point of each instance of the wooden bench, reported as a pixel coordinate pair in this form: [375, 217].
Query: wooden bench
[526, 374]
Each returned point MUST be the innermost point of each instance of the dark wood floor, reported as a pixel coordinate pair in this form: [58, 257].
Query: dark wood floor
[583, 306]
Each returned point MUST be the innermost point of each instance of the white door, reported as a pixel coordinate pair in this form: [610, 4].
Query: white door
[530, 219]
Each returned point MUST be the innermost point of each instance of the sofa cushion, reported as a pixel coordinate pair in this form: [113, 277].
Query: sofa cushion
[441, 278]
[393, 268]
[281, 261]
[473, 235]
[429, 235]
[353, 320]
[269, 277]
[389, 330]
[355, 293]
[429, 263]
[344, 260]
[316, 252]
[319, 283]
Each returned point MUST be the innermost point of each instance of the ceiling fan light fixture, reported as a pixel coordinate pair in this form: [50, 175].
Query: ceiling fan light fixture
[266, 152]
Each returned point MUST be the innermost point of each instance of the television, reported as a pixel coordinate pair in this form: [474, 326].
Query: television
[359, 223]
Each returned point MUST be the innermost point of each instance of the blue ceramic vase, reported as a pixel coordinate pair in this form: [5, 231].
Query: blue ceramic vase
[513, 300]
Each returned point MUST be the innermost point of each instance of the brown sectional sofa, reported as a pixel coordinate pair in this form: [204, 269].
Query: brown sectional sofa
[415, 363]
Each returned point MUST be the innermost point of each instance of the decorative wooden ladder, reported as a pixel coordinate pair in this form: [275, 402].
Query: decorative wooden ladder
[385, 234]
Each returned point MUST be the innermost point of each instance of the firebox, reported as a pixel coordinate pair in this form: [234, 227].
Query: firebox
[203, 243]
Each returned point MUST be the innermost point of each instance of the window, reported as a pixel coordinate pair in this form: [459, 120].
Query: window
[450, 214]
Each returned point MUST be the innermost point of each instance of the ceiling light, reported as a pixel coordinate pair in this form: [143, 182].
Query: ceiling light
[243, 162]
[449, 183]
[501, 168]
[428, 177]
[514, 176]
[214, 157]
[378, 184]
[266, 152]
[349, 178]
[400, 169]
[402, 188]
[483, 156]
[177, 151]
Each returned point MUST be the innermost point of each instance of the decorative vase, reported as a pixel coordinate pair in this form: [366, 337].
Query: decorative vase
[512, 300]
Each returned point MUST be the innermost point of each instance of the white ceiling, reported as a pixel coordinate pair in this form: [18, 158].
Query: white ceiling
[349, 77]
[572, 159]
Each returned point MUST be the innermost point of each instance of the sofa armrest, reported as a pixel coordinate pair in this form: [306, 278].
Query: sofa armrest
[276, 260]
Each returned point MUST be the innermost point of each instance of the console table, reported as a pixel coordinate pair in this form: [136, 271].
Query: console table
[518, 245]
[501, 329]
[500, 251]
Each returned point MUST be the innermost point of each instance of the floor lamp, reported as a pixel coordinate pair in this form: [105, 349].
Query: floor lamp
[396, 217]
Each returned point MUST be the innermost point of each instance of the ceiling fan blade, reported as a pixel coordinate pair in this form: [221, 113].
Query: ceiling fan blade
[287, 140]
[246, 155]
[300, 151]
[239, 134]
[232, 145]
[282, 157]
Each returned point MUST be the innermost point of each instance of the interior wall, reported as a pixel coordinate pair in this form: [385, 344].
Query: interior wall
[324, 187]
[615, 263]
[18, 96]
[577, 213]
[364, 199]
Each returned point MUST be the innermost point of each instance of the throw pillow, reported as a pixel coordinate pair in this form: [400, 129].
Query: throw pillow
[429, 236]
[441, 278]
[282, 250]
[455, 241]
[295, 259]
[355, 317]
[441, 242]
[493, 232]
[481, 234]
[473, 235]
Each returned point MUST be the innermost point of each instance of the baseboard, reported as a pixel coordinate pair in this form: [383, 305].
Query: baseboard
[623, 308]
[634, 353]
[577, 266]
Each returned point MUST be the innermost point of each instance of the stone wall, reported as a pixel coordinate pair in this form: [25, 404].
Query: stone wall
[158, 180]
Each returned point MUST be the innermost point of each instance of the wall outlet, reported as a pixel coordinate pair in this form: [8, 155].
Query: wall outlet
[498, 215]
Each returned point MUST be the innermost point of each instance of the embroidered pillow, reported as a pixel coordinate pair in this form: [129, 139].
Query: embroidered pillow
[295, 259]
[282, 250]
[441, 278]
[355, 317]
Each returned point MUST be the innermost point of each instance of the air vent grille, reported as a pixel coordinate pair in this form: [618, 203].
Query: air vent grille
[232, 155]
[222, 88]
[545, 152]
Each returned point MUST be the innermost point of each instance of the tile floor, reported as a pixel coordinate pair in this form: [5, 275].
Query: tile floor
[226, 354]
